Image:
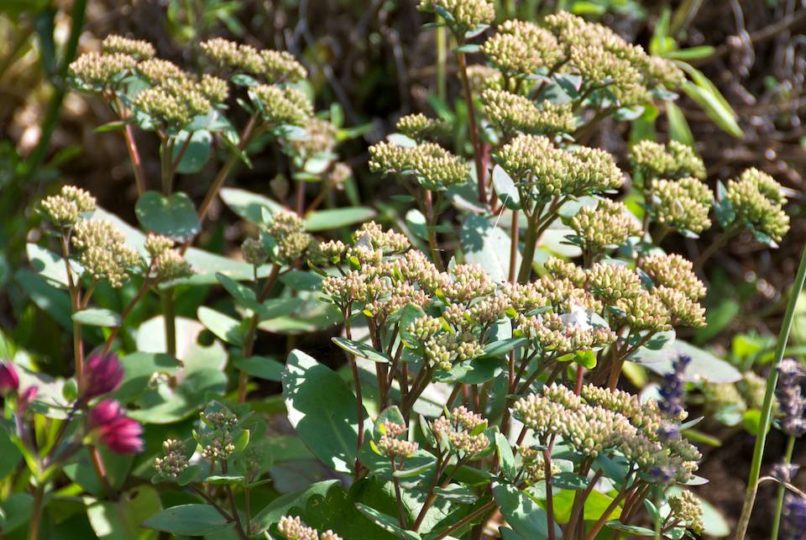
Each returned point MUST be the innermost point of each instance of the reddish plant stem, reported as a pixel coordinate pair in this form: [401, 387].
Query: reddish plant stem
[134, 157]
[100, 469]
[221, 177]
[473, 128]
[300, 198]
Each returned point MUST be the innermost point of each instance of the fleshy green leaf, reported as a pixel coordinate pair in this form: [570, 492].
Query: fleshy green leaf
[173, 216]
[262, 367]
[361, 350]
[250, 206]
[97, 317]
[322, 409]
[197, 152]
[704, 365]
[486, 245]
[722, 116]
[188, 519]
[223, 326]
[505, 189]
[325, 220]
[522, 514]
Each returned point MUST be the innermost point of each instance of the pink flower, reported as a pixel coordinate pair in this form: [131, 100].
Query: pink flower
[25, 399]
[9, 380]
[102, 374]
[116, 430]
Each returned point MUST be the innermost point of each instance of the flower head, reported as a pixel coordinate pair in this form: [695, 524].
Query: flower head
[606, 226]
[96, 72]
[434, 167]
[103, 251]
[463, 431]
[676, 160]
[288, 233]
[282, 105]
[272, 66]
[174, 460]
[519, 48]
[682, 204]
[794, 516]
[292, 528]
[790, 396]
[66, 208]
[511, 112]
[9, 379]
[136, 48]
[687, 510]
[757, 201]
[114, 429]
[103, 373]
[672, 390]
[419, 127]
[464, 15]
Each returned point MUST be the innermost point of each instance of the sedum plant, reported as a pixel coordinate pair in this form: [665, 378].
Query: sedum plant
[487, 334]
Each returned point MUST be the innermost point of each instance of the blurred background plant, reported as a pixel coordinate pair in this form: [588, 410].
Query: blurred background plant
[742, 106]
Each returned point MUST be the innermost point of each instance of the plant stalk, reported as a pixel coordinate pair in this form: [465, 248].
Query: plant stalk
[779, 500]
[473, 127]
[249, 340]
[766, 409]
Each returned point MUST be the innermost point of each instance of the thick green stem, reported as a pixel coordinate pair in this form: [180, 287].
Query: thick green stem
[433, 244]
[36, 513]
[169, 317]
[529, 246]
[779, 501]
[249, 340]
[766, 409]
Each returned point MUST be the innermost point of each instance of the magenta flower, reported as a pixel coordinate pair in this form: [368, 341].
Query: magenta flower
[116, 430]
[9, 379]
[25, 399]
[102, 374]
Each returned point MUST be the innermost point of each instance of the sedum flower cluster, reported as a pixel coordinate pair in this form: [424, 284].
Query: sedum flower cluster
[450, 315]
[686, 510]
[608, 422]
[391, 445]
[172, 98]
[103, 252]
[65, 209]
[542, 171]
[292, 528]
[462, 15]
[461, 432]
[270, 66]
[432, 166]
[166, 263]
[514, 113]
[285, 238]
[420, 128]
[673, 161]
[608, 67]
[604, 227]
[272, 94]
[756, 201]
